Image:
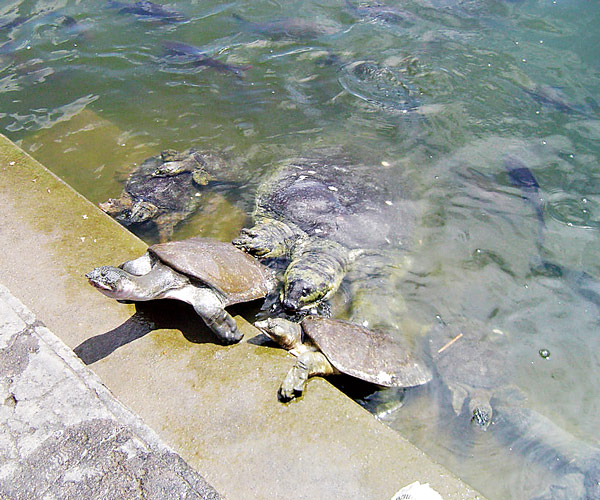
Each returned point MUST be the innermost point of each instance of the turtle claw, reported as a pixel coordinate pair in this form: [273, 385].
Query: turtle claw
[225, 327]
[285, 395]
[293, 385]
[287, 392]
[268, 238]
[250, 241]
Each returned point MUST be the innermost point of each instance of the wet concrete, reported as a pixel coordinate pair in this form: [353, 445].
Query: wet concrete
[214, 405]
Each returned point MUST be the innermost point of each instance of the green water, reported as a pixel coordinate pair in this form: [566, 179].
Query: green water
[463, 86]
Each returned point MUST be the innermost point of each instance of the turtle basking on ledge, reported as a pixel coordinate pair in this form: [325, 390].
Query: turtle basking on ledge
[165, 189]
[323, 213]
[208, 274]
[327, 346]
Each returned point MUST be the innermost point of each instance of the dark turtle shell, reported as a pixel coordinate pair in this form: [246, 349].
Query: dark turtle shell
[366, 354]
[329, 196]
[463, 354]
[235, 274]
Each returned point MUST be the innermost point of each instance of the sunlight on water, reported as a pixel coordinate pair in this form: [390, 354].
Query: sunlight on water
[454, 95]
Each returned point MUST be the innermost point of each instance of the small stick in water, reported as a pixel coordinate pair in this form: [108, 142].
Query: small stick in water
[448, 344]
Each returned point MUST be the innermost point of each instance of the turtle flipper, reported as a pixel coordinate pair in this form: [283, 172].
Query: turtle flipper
[268, 238]
[224, 326]
[209, 306]
[165, 224]
[307, 365]
[459, 394]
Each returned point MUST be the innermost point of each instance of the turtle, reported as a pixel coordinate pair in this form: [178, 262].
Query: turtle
[327, 346]
[472, 367]
[183, 53]
[164, 190]
[574, 462]
[206, 273]
[325, 213]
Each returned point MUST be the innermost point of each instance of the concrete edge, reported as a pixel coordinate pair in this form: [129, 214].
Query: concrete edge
[92, 382]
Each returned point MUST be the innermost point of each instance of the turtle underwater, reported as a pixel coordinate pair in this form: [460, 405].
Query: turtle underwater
[208, 274]
[326, 346]
[471, 371]
[472, 367]
[164, 190]
[325, 213]
[475, 369]
[294, 28]
[575, 462]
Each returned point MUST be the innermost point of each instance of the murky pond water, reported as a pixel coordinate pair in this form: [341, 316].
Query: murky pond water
[453, 94]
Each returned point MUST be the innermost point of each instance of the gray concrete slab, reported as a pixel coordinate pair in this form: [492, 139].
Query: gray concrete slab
[65, 435]
[215, 405]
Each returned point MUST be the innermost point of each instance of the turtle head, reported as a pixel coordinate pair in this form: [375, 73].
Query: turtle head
[127, 211]
[287, 334]
[315, 273]
[142, 211]
[304, 289]
[117, 207]
[112, 282]
[480, 411]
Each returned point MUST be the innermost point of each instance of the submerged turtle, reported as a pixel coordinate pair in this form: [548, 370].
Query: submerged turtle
[327, 346]
[574, 462]
[208, 274]
[323, 213]
[164, 190]
[472, 367]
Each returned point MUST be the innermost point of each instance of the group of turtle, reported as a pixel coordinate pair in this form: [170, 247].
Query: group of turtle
[320, 214]
[326, 218]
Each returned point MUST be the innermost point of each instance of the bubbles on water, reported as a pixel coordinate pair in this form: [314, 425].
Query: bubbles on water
[380, 85]
[572, 210]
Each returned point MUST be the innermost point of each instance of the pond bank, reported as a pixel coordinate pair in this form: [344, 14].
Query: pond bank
[214, 405]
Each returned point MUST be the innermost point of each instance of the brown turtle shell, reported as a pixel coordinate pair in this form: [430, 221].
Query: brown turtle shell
[365, 354]
[235, 274]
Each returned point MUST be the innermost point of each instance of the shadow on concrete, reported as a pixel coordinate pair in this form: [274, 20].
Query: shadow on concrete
[149, 316]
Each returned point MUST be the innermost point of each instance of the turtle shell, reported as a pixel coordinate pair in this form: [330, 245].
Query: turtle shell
[365, 354]
[232, 272]
[463, 355]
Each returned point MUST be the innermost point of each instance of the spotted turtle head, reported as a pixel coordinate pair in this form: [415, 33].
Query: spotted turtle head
[112, 282]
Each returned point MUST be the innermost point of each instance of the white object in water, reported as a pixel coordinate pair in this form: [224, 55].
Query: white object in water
[417, 491]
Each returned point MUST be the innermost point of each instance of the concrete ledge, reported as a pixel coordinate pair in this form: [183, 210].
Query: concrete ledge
[65, 435]
[214, 405]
